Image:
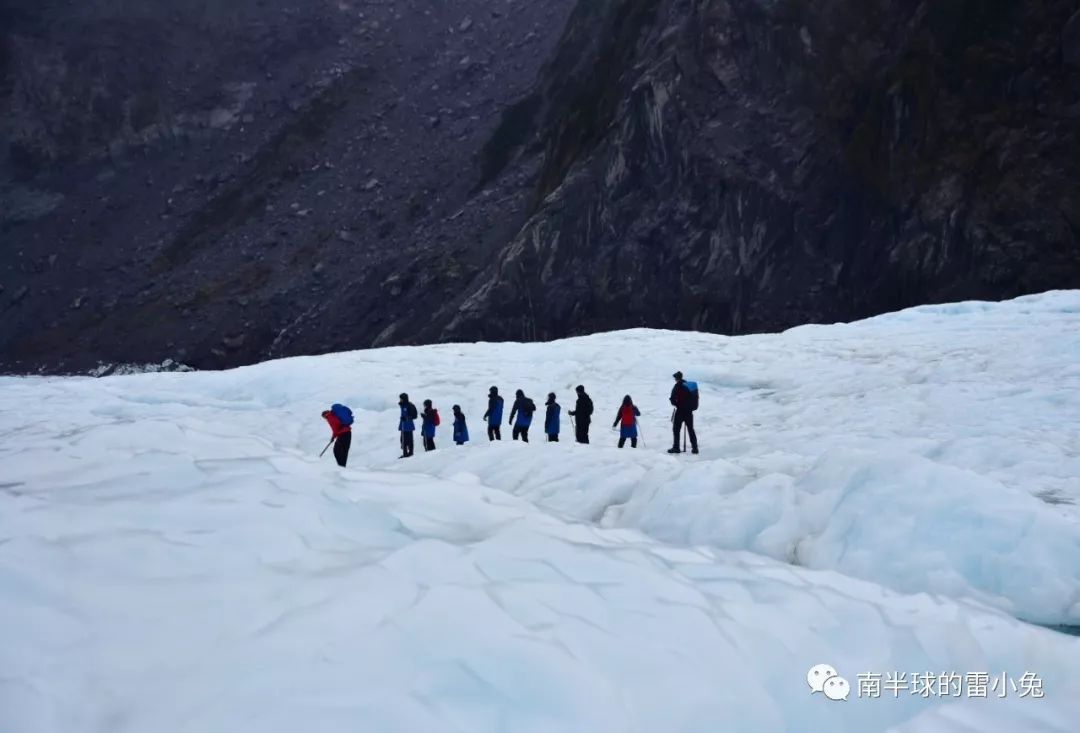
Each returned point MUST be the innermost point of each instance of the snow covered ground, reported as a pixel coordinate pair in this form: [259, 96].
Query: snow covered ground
[883, 497]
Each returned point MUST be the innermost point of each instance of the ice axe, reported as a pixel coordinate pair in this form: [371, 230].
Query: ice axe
[327, 446]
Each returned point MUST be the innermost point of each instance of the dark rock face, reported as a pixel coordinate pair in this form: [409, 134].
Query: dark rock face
[220, 183]
[177, 174]
[746, 165]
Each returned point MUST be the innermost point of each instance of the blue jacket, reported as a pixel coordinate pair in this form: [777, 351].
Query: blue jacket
[494, 411]
[427, 425]
[461, 430]
[523, 415]
[405, 422]
[551, 420]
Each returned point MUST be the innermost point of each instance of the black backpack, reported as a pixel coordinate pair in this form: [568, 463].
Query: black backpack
[411, 409]
[529, 407]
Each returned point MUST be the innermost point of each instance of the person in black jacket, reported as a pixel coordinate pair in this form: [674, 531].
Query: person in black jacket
[494, 414]
[681, 400]
[583, 413]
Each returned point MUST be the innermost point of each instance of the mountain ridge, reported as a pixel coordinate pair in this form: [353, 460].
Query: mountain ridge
[367, 174]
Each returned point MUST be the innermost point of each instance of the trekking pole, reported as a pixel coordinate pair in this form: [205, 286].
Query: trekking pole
[684, 438]
[641, 433]
[327, 446]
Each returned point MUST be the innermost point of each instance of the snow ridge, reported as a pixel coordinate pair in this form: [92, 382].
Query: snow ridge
[881, 496]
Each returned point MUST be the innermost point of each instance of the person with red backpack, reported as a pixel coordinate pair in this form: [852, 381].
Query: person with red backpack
[628, 414]
[684, 397]
[429, 421]
[340, 419]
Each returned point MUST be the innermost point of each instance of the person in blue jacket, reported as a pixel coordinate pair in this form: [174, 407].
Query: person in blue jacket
[521, 416]
[406, 426]
[627, 415]
[429, 420]
[461, 430]
[551, 419]
[494, 414]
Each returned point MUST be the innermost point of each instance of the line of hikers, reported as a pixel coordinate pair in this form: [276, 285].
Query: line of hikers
[684, 398]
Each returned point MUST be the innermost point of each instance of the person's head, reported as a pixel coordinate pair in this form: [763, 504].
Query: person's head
[677, 376]
[403, 397]
[519, 393]
[427, 403]
[627, 401]
[493, 390]
[580, 389]
[325, 413]
[551, 397]
[456, 408]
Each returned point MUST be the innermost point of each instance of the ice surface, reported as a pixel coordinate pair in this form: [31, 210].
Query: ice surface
[879, 496]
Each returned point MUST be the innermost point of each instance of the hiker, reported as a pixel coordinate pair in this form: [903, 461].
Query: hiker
[551, 419]
[461, 430]
[340, 419]
[627, 415]
[406, 426]
[494, 414]
[522, 410]
[583, 412]
[684, 397]
[429, 421]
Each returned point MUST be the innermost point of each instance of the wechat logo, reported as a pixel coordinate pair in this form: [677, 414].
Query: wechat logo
[824, 679]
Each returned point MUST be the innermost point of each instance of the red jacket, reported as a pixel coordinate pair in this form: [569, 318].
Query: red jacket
[335, 425]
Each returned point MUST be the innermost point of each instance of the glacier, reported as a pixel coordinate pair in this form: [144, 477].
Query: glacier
[893, 495]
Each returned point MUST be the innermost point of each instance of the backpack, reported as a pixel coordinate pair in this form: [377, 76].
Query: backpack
[410, 410]
[342, 413]
[435, 420]
[529, 407]
[691, 395]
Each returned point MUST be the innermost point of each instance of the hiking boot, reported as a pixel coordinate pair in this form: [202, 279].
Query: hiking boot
[694, 451]
[674, 450]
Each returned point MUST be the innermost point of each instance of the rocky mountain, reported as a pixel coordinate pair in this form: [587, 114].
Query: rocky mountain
[748, 165]
[222, 182]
